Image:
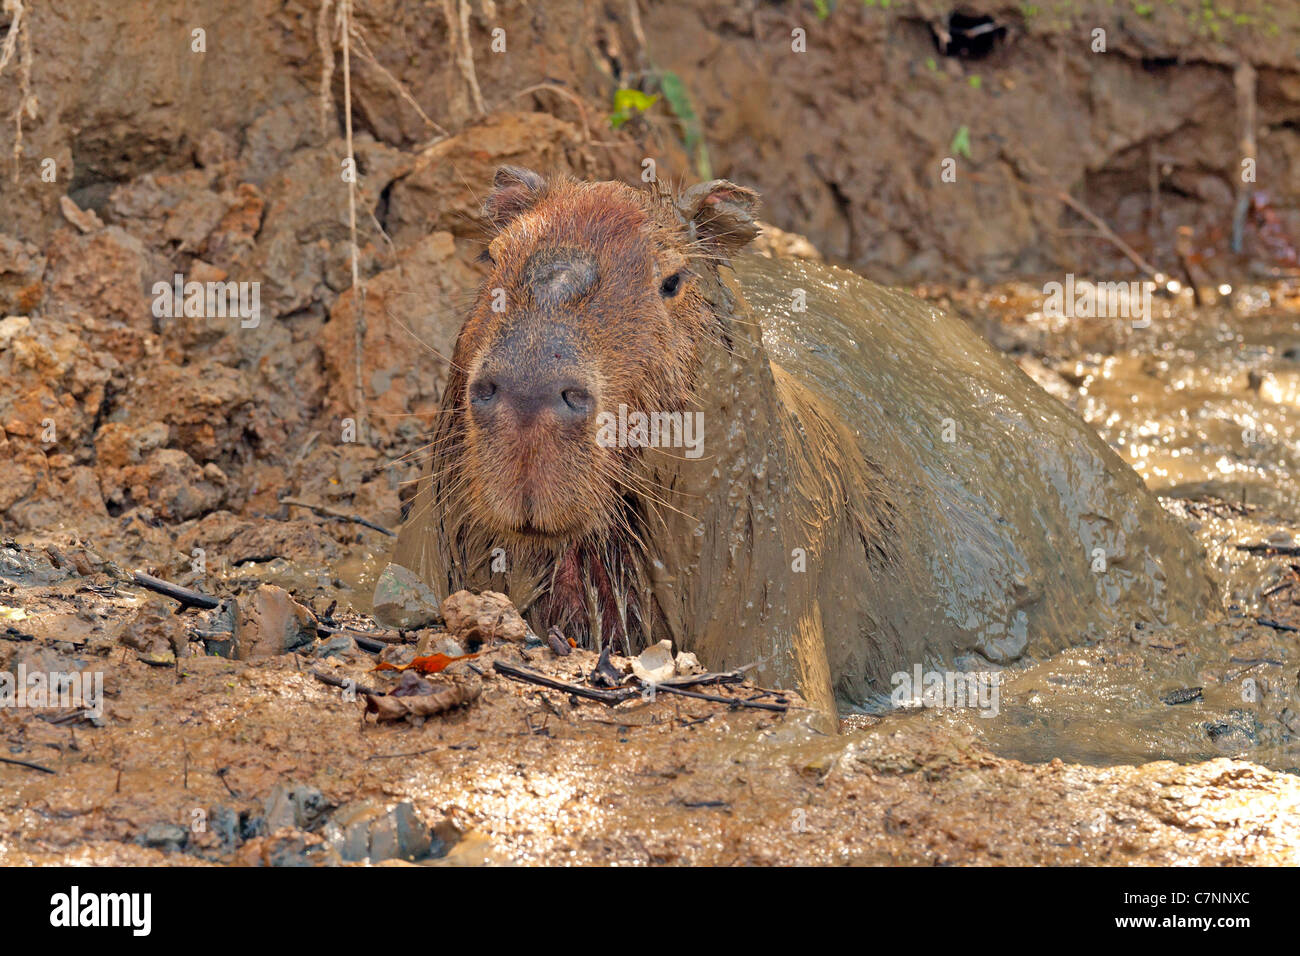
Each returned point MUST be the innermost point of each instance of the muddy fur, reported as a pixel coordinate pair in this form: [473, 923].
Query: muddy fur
[829, 532]
[569, 516]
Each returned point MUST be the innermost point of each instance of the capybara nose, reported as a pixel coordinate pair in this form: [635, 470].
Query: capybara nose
[568, 400]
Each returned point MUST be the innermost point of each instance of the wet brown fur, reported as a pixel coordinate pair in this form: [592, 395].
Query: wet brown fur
[568, 515]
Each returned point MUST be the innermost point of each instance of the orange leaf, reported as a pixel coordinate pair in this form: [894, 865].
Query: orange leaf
[436, 662]
[424, 665]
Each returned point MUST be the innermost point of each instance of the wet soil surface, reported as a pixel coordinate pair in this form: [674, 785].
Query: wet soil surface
[201, 759]
[133, 440]
[258, 762]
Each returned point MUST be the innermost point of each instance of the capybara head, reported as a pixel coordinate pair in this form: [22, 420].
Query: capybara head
[593, 302]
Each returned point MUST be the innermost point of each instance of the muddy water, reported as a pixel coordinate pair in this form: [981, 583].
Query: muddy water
[1001, 502]
[1205, 405]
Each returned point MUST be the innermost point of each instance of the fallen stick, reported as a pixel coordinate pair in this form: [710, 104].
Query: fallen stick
[365, 640]
[718, 699]
[185, 596]
[340, 515]
[719, 677]
[28, 764]
[1276, 588]
[1289, 550]
[344, 684]
[1277, 625]
[607, 697]
[613, 697]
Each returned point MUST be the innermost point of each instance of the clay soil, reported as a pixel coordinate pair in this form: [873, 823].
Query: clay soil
[132, 440]
[529, 775]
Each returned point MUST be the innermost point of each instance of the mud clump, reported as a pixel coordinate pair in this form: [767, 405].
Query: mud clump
[489, 616]
[271, 623]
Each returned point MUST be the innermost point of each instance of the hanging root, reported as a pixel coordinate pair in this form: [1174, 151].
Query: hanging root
[19, 38]
[457, 14]
[325, 41]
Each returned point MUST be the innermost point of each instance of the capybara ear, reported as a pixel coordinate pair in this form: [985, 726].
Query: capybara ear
[721, 214]
[514, 190]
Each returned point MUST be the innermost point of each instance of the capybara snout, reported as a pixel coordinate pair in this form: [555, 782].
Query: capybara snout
[533, 377]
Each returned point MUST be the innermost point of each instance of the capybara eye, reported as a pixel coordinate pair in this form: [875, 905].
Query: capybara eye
[670, 285]
[578, 399]
[482, 391]
[486, 256]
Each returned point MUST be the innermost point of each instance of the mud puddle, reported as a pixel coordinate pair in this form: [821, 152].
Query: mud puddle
[1205, 405]
[207, 760]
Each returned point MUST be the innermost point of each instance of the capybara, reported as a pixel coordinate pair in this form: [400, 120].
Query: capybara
[649, 431]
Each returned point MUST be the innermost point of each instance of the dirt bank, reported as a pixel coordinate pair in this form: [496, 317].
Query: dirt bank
[133, 436]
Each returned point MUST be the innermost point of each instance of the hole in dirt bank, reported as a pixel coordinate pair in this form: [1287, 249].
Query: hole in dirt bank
[1155, 64]
[103, 161]
[970, 35]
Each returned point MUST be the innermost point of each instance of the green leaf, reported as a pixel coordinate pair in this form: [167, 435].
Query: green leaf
[961, 142]
[679, 101]
[629, 102]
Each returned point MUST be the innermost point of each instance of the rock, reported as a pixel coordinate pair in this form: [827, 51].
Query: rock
[366, 831]
[102, 275]
[30, 569]
[411, 684]
[475, 618]
[84, 219]
[271, 623]
[557, 642]
[293, 805]
[156, 633]
[12, 325]
[399, 655]
[687, 664]
[21, 268]
[287, 848]
[778, 244]
[224, 824]
[43, 660]
[340, 645]
[170, 482]
[445, 644]
[223, 618]
[169, 837]
[403, 601]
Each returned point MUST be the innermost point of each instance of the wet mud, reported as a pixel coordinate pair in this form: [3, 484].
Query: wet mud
[132, 440]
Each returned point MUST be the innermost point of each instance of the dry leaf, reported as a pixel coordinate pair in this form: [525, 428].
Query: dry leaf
[445, 697]
[655, 664]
